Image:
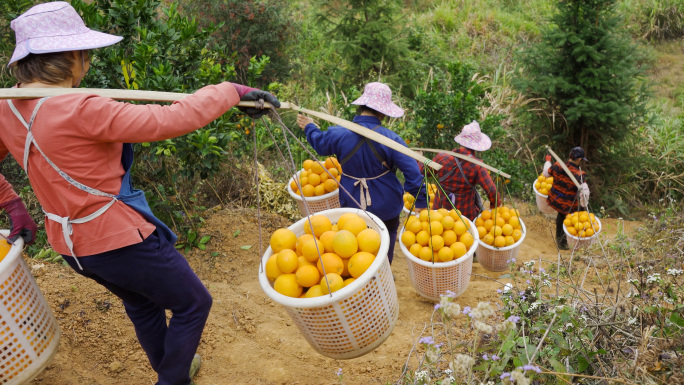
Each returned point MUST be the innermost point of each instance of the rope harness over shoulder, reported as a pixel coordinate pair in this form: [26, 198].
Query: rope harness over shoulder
[363, 182]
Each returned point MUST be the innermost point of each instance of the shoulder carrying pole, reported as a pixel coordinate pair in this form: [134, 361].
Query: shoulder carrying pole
[466, 158]
[563, 166]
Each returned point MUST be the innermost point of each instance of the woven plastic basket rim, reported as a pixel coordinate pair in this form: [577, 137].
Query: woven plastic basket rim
[344, 292]
[406, 211]
[13, 253]
[585, 238]
[536, 192]
[513, 246]
[314, 198]
[442, 265]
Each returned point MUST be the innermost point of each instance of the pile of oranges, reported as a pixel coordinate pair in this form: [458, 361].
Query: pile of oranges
[499, 227]
[409, 199]
[323, 261]
[581, 224]
[437, 235]
[543, 184]
[315, 177]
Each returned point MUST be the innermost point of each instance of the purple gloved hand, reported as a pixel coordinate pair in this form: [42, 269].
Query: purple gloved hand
[21, 223]
[255, 95]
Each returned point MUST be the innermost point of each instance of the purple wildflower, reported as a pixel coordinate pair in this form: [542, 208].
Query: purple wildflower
[451, 294]
[531, 367]
[495, 357]
[542, 270]
[485, 357]
[338, 372]
[528, 282]
[499, 291]
[505, 375]
[466, 310]
[514, 318]
[437, 306]
[426, 340]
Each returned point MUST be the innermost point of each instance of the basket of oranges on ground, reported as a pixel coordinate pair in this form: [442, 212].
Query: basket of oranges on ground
[581, 229]
[331, 273]
[541, 188]
[439, 246]
[501, 233]
[319, 184]
[410, 199]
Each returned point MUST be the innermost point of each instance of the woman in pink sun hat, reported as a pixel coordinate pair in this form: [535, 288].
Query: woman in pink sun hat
[459, 177]
[76, 150]
[369, 168]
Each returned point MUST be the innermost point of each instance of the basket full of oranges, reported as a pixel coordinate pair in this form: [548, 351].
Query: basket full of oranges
[581, 229]
[439, 246]
[541, 188]
[316, 186]
[501, 233]
[331, 273]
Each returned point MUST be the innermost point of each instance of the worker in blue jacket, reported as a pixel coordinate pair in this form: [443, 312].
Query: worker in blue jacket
[369, 168]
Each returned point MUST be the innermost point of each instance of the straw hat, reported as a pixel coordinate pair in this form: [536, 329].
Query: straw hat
[55, 27]
[378, 96]
[472, 137]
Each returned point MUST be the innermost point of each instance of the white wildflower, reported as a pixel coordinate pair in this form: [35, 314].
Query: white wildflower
[631, 321]
[668, 300]
[422, 375]
[453, 309]
[519, 378]
[675, 272]
[449, 380]
[483, 327]
[529, 265]
[534, 305]
[485, 309]
[653, 278]
[546, 283]
[568, 325]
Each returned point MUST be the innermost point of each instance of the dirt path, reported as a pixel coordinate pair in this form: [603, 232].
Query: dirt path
[249, 339]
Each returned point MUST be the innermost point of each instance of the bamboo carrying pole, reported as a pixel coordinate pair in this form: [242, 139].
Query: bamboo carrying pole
[563, 166]
[466, 158]
[157, 96]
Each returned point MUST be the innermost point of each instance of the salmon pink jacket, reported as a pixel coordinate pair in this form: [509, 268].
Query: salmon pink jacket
[83, 135]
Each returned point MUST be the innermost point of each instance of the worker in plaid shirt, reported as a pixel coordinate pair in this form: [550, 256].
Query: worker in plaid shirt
[459, 177]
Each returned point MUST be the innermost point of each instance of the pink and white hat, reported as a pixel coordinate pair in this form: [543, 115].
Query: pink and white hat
[378, 96]
[55, 27]
[472, 137]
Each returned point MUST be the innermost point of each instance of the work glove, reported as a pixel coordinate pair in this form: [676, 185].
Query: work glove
[249, 94]
[584, 194]
[547, 165]
[21, 223]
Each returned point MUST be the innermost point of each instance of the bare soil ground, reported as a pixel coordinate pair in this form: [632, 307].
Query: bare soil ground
[249, 339]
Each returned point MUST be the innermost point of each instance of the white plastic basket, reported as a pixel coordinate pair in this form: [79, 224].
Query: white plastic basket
[542, 202]
[316, 204]
[29, 333]
[431, 280]
[354, 320]
[497, 258]
[577, 243]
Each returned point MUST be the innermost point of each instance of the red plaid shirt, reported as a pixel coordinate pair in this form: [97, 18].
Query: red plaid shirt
[452, 181]
[563, 194]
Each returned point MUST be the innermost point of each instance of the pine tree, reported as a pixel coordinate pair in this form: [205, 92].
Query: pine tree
[587, 69]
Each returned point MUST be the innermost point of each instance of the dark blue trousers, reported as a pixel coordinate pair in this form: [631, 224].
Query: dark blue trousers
[151, 277]
[392, 228]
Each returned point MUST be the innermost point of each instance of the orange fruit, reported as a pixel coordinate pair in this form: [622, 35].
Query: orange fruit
[488, 224]
[436, 242]
[456, 214]
[287, 261]
[329, 162]
[319, 190]
[334, 172]
[509, 240]
[359, 263]
[307, 164]
[345, 272]
[459, 249]
[414, 226]
[415, 249]
[445, 254]
[488, 239]
[572, 231]
[317, 168]
[312, 249]
[286, 284]
[486, 214]
[331, 283]
[448, 222]
[481, 231]
[345, 244]
[293, 185]
[332, 264]
[307, 276]
[324, 177]
[517, 234]
[500, 221]
[589, 232]
[423, 237]
[408, 238]
[355, 225]
[314, 179]
[330, 185]
[343, 219]
[506, 229]
[314, 291]
[369, 241]
[308, 190]
[320, 224]
[283, 239]
[449, 237]
[348, 281]
[436, 228]
[300, 242]
[423, 215]
[496, 231]
[272, 269]
[499, 241]
[514, 222]
[460, 228]
[467, 239]
[479, 222]
[327, 238]
[426, 254]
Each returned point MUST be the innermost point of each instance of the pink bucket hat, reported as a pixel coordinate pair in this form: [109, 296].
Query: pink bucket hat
[472, 137]
[378, 96]
[55, 27]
